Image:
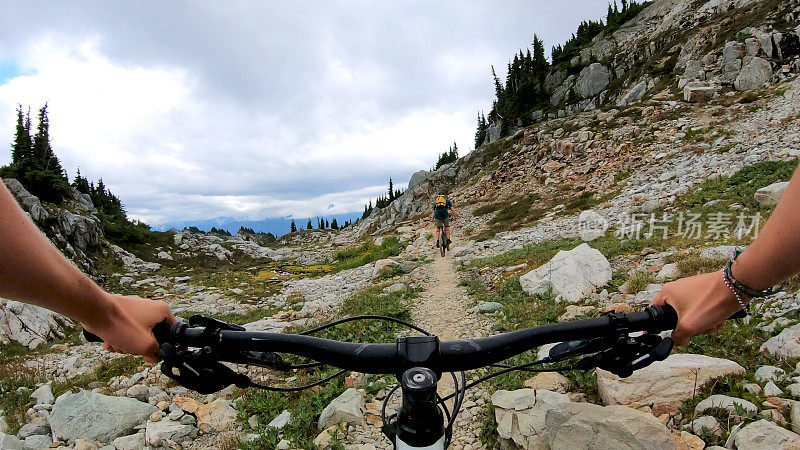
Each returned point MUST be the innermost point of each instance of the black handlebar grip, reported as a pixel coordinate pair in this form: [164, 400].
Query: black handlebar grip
[667, 318]
[160, 331]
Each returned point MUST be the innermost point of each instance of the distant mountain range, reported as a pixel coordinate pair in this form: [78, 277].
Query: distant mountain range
[277, 225]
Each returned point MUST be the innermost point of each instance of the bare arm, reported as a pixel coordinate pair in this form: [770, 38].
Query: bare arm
[33, 271]
[453, 213]
[703, 302]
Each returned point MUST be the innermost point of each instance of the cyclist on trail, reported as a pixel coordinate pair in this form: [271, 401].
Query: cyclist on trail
[442, 210]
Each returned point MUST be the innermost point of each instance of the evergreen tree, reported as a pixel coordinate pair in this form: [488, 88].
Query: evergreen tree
[391, 191]
[308, 225]
[292, 227]
[334, 225]
[81, 184]
[327, 224]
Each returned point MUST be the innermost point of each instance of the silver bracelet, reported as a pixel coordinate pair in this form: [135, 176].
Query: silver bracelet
[732, 289]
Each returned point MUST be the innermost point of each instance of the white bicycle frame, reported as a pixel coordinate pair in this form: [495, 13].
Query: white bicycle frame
[439, 445]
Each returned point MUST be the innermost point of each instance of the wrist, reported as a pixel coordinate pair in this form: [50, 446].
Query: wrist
[104, 313]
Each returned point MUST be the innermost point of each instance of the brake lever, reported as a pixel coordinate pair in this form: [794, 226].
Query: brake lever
[568, 349]
[629, 354]
[197, 371]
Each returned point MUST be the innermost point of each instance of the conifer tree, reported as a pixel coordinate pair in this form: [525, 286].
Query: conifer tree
[292, 227]
[391, 191]
[308, 225]
[334, 225]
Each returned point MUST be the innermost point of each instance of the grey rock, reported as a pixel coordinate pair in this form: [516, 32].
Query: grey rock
[767, 46]
[634, 94]
[585, 425]
[95, 416]
[668, 382]
[592, 80]
[698, 92]
[34, 428]
[753, 75]
[732, 56]
[408, 266]
[484, 307]
[166, 429]
[772, 390]
[139, 392]
[30, 325]
[130, 442]
[753, 388]
[43, 395]
[571, 274]
[396, 287]
[417, 178]
[81, 231]
[35, 442]
[29, 202]
[752, 46]
[771, 195]
[763, 434]
[727, 403]
[784, 345]
[794, 416]
[702, 424]
[720, 252]
[521, 414]
[770, 373]
[592, 225]
[281, 420]
[348, 408]
[3, 424]
[794, 389]
[8, 442]
[175, 415]
[668, 272]
[553, 80]
[188, 419]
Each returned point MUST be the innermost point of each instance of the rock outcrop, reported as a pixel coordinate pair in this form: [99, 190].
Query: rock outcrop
[572, 274]
[30, 325]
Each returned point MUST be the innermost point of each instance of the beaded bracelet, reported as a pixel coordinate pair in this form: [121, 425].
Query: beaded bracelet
[750, 292]
[735, 292]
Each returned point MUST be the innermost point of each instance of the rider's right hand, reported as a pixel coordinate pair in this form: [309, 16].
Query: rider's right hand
[127, 327]
[703, 304]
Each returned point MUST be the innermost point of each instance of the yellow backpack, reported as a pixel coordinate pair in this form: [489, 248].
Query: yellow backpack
[441, 201]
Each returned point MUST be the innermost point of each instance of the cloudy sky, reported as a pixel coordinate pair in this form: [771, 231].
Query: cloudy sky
[193, 110]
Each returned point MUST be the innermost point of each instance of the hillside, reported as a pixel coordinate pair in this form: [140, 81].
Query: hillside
[687, 110]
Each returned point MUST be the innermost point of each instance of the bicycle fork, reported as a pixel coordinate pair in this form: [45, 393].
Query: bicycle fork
[419, 424]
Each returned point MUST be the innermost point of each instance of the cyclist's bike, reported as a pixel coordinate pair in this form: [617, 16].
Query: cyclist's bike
[443, 245]
[193, 354]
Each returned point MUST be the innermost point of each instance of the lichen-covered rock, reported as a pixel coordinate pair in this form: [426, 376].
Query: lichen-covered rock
[784, 345]
[765, 435]
[771, 195]
[30, 203]
[348, 408]
[95, 416]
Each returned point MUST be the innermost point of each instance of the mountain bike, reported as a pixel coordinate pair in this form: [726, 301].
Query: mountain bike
[193, 355]
[443, 245]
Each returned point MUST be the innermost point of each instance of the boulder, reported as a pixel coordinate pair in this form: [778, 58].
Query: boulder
[485, 307]
[30, 203]
[281, 420]
[753, 75]
[548, 381]
[384, 265]
[763, 434]
[591, 225]
[131, 442]
[8, 442]
[771, 195]
[36, 441]
[668, 272]
[585, 425]
[417, 178]
[634, 94]
[772, 390]
[521, 415]
[30, 325]
[704, 424]
[408, 266]
[43, 395]
[727, 403]
[784, 345]
[348, 408]
[766, 374]
[3, 424]
[34, 428]
[720, 252]
[101, 418]
[794, 416]
[572, 312]
[572, 274]
[592, 80]
[81, 231]
[669, 382]
[156, 432]
[767, 46]
[698, 92]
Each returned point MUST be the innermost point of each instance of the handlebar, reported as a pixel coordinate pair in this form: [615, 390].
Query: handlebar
[407, 352]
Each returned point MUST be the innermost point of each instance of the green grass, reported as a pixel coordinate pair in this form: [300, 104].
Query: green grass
[366, 253]
[727, 147]
[639, 280]
[741, 186]
[306, 406]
